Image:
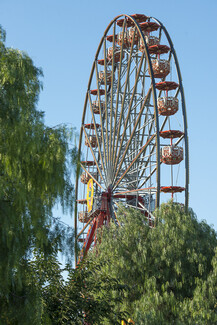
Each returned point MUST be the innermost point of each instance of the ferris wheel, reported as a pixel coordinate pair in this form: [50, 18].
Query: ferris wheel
[133, 143]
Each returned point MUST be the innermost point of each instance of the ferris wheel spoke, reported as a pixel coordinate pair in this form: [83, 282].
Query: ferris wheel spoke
[145, 134]
[154, 170]
[93, 154]
[141, 178]
[164, 123]
[117, 218]
[120, 76]
[129, 111]
[101, 120]
[94, 179]
[153, 146]
[120, 208]
[149, 119]
[179, 140]
[142, 208]
[138, 191]
[143, 82]
[106, 94]
[112, 91]
[114, 146]
[85, 227]
[177, 92]
[132, 134]
[126, 82]
[147, 210]
[125, 85]
[146, 161]
[147, 178]
[116, 86]
[97, 138]
[132, 153]
[134, 160]
[160, 34]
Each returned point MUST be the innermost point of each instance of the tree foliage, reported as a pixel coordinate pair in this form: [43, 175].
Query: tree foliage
[49, 298]
[35, 167]
[82, 298]
[171, 269]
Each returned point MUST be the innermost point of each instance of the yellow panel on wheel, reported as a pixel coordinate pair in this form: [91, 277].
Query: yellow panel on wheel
[90, 192]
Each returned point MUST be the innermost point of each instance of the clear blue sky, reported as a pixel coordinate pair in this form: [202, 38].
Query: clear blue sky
[62, 38]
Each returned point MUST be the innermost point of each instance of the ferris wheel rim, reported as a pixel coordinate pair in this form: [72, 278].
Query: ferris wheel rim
[156, 135]
[183, 111]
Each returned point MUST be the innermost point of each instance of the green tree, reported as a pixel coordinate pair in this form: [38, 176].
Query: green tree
[35, 167]
[202, 309]
[171, 269]
[81, 298]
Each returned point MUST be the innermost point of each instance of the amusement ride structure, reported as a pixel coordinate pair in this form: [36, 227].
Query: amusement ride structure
[133, 143]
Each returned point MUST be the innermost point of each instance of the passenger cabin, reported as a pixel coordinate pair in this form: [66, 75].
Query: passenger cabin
[150, 40]
[83, 216]
[171, 155]
[167, 105]
[108, 78]
[92, 141]
[96, 105]
[161, 68]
